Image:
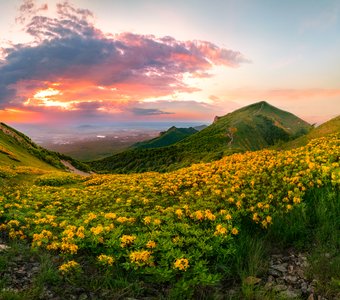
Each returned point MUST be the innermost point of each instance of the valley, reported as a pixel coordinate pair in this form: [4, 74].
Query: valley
[191, 227]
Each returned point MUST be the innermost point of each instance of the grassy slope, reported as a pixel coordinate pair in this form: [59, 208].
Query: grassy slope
[258, 126]
[331, 126]
[169, 137]
[14, 154]
[312, 227]
[16, 149]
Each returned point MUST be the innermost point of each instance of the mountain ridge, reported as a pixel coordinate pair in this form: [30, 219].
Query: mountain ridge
[172, 135]
[249, 128]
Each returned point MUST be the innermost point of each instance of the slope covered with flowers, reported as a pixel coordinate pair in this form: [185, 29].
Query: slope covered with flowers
[182, 224]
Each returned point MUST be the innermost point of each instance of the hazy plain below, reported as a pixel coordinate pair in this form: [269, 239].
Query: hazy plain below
[94, 141]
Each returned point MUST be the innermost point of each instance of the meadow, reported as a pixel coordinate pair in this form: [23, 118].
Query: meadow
[180, 229]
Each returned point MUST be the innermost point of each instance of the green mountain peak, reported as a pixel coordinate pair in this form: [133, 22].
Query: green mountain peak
[249, 128]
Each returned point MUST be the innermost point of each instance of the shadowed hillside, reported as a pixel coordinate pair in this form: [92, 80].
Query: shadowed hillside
[166, 138]
[329, 127]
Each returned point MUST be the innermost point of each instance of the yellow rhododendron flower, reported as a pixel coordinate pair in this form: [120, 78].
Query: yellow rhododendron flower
[106, 259]
[151, 244]
[234, 231]
[181, 264]
[69, 266]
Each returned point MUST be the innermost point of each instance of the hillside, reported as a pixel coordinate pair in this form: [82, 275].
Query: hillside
[253, 127]
[16, 149]
[329, 127]
[254, 225]
[166, 138]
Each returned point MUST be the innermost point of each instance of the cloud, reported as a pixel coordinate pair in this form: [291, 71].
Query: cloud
[149, 111]
[27, 9]
[88, 64]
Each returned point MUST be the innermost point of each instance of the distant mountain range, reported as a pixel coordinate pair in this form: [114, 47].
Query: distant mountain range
[253, 127]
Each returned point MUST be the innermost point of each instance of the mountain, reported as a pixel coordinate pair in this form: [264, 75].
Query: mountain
[17, 149]
[329, 127]
[166, 138]
[200, 127]
[253, 127]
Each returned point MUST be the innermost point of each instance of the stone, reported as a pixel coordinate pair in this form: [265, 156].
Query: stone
[290, 269]
[304, 287]
[277, 256]
[281, 268]
[3, 247]
[290, 278]
[251, 280]
[270, 278]
[274, 273]
[300, 273]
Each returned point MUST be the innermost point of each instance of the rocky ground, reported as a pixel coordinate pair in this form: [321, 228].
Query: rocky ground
[285, 277]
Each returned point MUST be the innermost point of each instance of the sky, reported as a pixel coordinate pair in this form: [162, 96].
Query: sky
[85, 61]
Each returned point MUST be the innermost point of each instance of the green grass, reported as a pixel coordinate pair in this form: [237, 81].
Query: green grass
[329, 127]
[20, 155]
[312, 227]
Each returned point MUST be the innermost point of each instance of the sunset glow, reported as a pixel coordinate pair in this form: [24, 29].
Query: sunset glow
[73, 59]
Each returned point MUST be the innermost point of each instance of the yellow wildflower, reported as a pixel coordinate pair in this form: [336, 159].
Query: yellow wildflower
[181, 264]
[179, 213]
[141, 258]
[67, 267]
[234, 231]
[228, 217]
[127, 240]
[220, 230]
[106, 259]
[151, 244]
[147, 220]
[110, 215]
[97, 230]
[157, 221]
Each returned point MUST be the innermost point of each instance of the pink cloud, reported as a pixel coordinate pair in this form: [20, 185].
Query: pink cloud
[71, 51]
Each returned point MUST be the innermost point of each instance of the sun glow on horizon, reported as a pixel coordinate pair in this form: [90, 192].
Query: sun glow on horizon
[47, 98]
[19, 115]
